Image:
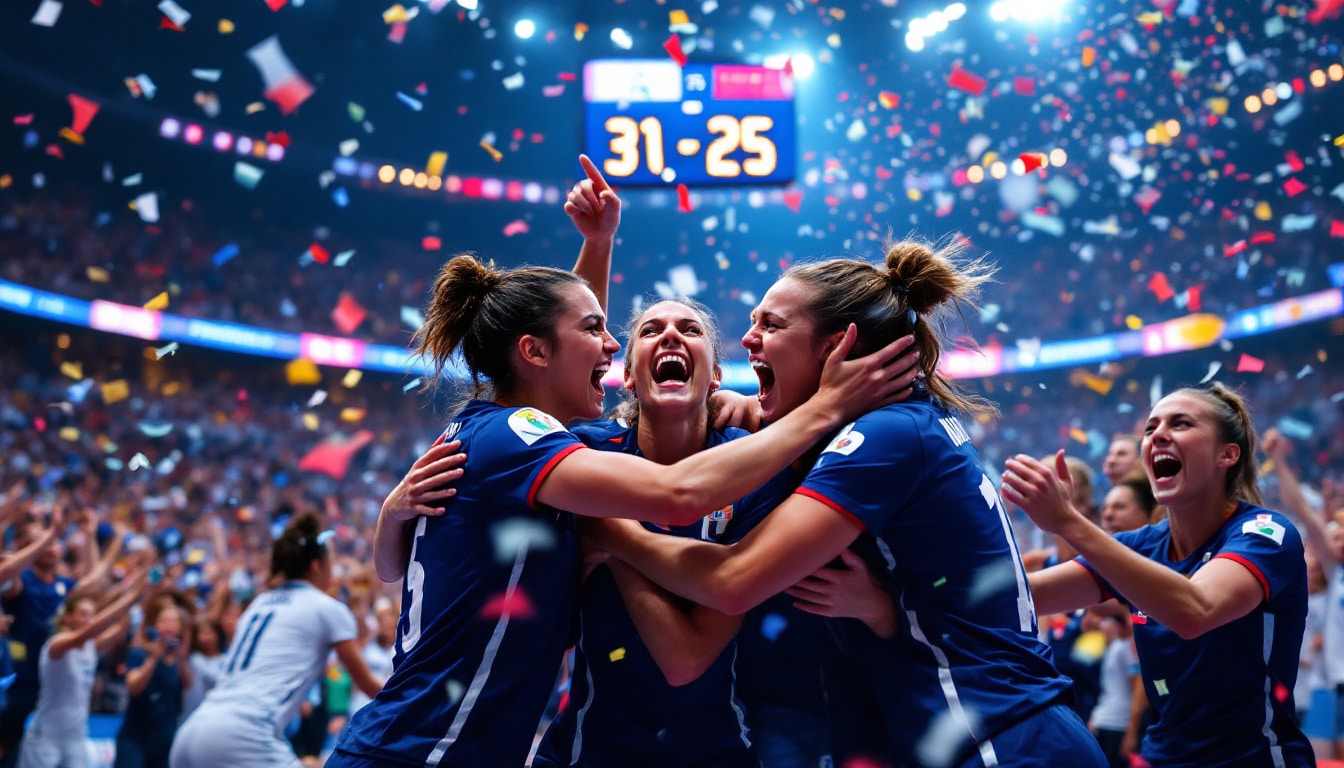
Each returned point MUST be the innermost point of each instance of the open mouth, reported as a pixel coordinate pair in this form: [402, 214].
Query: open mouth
[598, 373]
[766, 374]
[671, 368]
[1165, 466]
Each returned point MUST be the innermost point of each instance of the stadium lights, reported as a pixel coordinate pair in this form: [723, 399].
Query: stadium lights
[1029, 11]
[925, 27]
[803, 64]
[525, 28]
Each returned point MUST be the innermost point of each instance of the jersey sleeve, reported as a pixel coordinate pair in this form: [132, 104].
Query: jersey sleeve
[340, 623]
[1269, 546]
[521, 451]
[869, 470]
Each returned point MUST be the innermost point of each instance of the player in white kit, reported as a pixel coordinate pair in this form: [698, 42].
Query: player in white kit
[278, 651]
[58, 734]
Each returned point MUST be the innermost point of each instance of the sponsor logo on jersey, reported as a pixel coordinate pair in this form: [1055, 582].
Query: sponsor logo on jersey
[1264, 525]
[720, 519]
[531, 425]
[1139, 617]
[845, 443]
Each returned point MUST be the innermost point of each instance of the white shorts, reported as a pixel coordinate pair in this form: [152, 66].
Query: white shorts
[214, 737]
[38, 751]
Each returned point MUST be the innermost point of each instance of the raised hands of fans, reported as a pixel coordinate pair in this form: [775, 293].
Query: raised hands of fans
[734, 409]
[848, 591]
[427, 483]
[1275, 445]
[593, 205]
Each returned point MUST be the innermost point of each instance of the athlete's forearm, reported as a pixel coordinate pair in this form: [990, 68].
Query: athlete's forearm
[594, 265]
[391, 548]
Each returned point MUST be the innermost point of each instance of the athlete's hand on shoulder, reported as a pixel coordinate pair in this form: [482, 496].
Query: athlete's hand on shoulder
[1042, 492]
[854, 387]
[734, 409]
[593, 205]
[850, 591]
[428, 482]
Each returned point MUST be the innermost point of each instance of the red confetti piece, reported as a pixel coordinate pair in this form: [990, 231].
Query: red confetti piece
[397, 32]
[166, 23]
[1248, 364]
[1336, 228]
[568, 77]
[281, 138]
[888, 99]
[1294, 161]
[319, 254]
[84, 110]
[1325, 9]
[1232, 250]
[332, 456]
[1294, 187]
[55, 151]
[793, 198]
[24, 119]
[348, 313]
[684, 199]
[1160, 287]
[516, 605]
[1032, 160]
[1194, 298]
[966, 81]
[1260, 238]
[673, 47]
[1025, 86]
[276, 5]
[1146, 198]
[517, 227]
[431, 243]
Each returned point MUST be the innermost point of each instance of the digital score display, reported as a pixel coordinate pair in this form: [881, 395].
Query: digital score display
[650, 121]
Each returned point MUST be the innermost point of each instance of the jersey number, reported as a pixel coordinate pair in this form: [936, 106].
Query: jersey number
[247, 641]
[1026, 609]
[415, 584]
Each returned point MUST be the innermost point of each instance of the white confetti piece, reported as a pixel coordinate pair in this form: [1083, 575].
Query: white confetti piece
[47, 13]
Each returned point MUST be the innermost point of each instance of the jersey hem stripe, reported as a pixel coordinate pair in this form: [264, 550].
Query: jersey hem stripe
[546, 472]
[1248, 565]
[811, 494]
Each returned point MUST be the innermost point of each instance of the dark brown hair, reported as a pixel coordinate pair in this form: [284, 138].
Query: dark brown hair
[1233, 416]
[629, 407]
[912, 295]
[1143, 493]
[483, 311]
[292, 554]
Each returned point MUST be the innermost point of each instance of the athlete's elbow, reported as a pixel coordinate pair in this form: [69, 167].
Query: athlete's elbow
[682, 504]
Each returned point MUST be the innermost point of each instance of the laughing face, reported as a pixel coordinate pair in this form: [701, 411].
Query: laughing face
[1183, 450]
[581, 355]
[784, 348]
[670, 364]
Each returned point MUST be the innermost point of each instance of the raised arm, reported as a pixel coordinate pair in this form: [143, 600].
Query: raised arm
[1277, 448]
[110, 614]
[680, 493]
[17, 562]
[420, 492]
[596, 212]
[1218, 593]
[97, 574]
[683, 638]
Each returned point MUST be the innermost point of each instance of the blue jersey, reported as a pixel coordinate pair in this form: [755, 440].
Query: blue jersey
[966, 662]
[1226, 697]
[34, 612]
[622, 712]
[487, 606]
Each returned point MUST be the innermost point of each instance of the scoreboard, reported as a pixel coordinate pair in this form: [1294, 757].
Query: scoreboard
[650, 121]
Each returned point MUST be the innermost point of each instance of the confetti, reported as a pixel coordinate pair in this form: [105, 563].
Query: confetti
[178, 15]
[673, 47]
[84, 111]
[437, 161]
[302, 372]
[431, 243]
[351, 378]
[47, 13]
[284, 86]
[152, 430]
[349, 314]
[1249, 364]
[97, 274]
[495, 153]
[966, 81]
[317, 398]
[410, 101]
[165, 351]
[147, 207]
[158, 302]
[333, 455]
[247, 175]
[616, 655]
[226, 27]
[515, 227]
[684, 199]
[72, 370]
[412, 384]
[343, 258]
[772, 624]
[138, 462]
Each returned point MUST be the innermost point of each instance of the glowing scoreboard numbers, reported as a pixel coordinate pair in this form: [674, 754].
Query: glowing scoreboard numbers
[653, 122]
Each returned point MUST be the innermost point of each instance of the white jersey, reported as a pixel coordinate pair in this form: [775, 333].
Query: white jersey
[1334, 629]
[379, 660]
[279, 650]
[1118, 666]
[63, 696]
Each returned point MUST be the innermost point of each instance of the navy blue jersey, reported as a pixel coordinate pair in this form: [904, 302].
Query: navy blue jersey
[487, 606]
[1226, 697]
[34, 611]
[622, 712]
[966, 662]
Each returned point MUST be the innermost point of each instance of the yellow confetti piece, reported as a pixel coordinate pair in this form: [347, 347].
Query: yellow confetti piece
[833, 39]
[1089, 56]
[225, 27]
[914, 195]
[436, 162]
[677, 18]
[1218, 106]
[302, 372]
[254, 107]
[311, 422]
[352, 378]
[73, 370]
[171, 388]
[396, 13]
[1078, 435]
[69, 434]
[6, 181]
[838, 14]
[1099, 384]
[617, 654]
[352, 414]
[1133, 322]
[1339, 142]
[580, 30]
[115, 391]
[97, 274]
[1263, 212]
[495, 153]
[71, 136]
[158, 302]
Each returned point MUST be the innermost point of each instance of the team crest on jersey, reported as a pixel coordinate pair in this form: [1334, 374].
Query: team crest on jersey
[531, 425]
[1264, 525]
[846, 442]
[719, 518]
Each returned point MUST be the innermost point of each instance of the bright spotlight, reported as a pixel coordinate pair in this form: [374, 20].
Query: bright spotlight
[803, 66]
[469, 5]
[937, 21]
[954, 11]
[170, 128]
[914, 42]
[1028, 11]
[525, 28]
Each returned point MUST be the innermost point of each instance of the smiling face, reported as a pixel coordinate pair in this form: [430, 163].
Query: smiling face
[670, 364]
[1183, 451]
[1121, 511]
[1121, 458]
[784, 348]
[579, 355]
